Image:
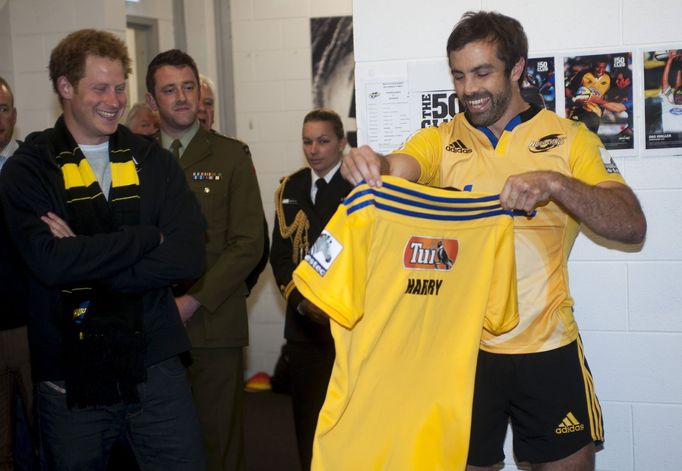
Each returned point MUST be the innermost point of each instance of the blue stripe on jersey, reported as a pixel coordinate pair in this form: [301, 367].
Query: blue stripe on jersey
[418, 194]
[476, 212]
[437, 217]
[443, 199]
[420, 204]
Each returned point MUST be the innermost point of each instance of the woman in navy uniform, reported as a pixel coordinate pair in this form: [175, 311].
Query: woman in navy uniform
[304, 202]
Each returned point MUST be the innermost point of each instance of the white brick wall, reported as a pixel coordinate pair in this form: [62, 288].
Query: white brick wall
[273, 93]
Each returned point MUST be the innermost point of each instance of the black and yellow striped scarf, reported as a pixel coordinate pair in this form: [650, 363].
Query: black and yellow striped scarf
[103, 330]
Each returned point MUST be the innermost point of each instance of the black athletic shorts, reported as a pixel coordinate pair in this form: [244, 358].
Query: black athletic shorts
[549, 398]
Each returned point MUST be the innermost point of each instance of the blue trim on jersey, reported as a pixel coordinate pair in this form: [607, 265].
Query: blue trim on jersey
[418, 194]
[509, 127]
[442, 199]
[422, 215]
[398, 199]
[489, 134]
[456, 202]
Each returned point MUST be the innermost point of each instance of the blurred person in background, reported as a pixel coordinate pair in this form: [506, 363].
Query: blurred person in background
[142, 119]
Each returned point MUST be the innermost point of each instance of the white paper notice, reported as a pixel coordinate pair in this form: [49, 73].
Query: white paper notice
[388, 114]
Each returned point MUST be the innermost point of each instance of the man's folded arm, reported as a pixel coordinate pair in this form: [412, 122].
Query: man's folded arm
[181, 256]
[65, 261]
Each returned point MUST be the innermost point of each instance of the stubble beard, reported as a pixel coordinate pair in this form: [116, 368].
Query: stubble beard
[499, 104]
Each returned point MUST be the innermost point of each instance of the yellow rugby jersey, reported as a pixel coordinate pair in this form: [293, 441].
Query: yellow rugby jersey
[410, 275]
[599, 85]
[460, 155]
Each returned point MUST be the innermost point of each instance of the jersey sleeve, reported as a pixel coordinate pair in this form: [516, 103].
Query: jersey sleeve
[502, 312]
[425, 146]
[334, 271]
[589, 160]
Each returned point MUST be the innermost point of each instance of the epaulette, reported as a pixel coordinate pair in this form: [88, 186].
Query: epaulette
[297, 231]
[295, 174]
[216, 133]
[243, 144]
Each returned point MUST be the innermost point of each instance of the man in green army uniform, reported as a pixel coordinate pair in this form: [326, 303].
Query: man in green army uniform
[221, 174]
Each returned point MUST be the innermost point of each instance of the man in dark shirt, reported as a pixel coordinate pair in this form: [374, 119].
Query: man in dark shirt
[105, 222]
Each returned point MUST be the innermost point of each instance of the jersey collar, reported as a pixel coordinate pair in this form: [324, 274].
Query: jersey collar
[522, 117]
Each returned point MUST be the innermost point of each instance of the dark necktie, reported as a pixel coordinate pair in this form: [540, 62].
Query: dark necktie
[175, 148]
[321, 184]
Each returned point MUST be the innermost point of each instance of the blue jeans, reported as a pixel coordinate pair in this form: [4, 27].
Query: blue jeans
[163, 428]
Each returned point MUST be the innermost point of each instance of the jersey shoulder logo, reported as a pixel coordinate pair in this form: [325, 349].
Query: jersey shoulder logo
[546, 143]
[458, 147]
[428, 253]
[608, 162]
[323, 252]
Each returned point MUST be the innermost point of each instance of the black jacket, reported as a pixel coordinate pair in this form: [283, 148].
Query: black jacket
[129, 260]
[13, 283]
[295, 198]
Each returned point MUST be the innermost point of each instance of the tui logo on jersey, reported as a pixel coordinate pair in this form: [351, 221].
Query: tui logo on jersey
[323, 252]
[428, 253]
[546, 143]
[458, 147]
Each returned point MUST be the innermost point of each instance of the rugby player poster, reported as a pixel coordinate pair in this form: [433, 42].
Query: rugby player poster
[598, 91]
[539, 87]
[662, 72]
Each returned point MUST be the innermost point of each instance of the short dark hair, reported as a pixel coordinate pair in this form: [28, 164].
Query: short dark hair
[3, 83]
[503, 31]
[327, 115]
[68, 57]
[625, 72]
[173, 57]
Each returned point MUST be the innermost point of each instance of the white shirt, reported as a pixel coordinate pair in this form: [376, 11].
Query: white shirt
[328, 177]
[98, 158]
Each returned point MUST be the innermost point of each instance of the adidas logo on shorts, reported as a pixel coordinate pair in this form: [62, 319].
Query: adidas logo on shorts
[458, 146]
[569, 425]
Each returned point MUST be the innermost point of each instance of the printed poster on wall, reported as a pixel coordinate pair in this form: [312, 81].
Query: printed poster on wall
[663, 100]
[539, 86]
[333, 69]
[599, 92]
[433, 100]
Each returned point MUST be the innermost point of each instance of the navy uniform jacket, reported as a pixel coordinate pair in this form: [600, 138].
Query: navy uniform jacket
[293, 197]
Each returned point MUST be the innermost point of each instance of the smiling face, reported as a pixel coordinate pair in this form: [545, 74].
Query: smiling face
[484, 89]
[94, 106]
[322, 147]
[176, 97]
